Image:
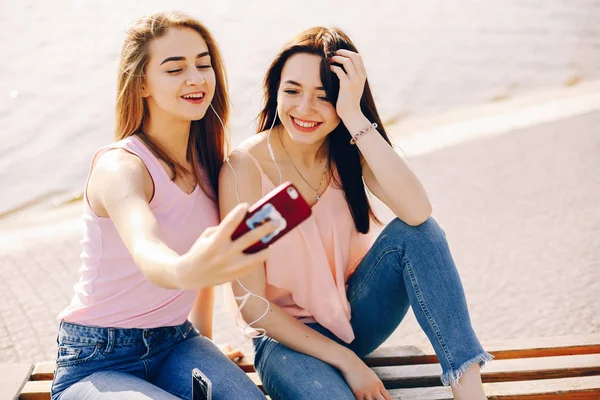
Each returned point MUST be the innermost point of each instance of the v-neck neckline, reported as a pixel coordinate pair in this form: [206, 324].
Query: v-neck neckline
[164, 171]
[309, 203]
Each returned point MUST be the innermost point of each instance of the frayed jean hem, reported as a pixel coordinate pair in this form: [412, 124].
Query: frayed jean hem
[453, 376]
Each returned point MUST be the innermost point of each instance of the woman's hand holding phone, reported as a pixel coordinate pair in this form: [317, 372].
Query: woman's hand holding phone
[216, 258]
[283, 206]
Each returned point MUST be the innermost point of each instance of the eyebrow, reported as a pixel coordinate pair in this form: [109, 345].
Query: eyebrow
[204, 54]
[299, 85]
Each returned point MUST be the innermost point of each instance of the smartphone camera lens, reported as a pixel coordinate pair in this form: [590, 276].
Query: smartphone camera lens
[292, 192]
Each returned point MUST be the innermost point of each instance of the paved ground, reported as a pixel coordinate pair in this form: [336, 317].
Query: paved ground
[521, 212]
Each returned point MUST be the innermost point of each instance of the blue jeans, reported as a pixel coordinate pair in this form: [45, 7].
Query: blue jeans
[114, 363]
[406, 266]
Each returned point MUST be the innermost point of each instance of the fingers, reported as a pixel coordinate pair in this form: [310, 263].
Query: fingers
[381, 395]
[208, 232]
[357, 61]
[348, 64]
[253, 236]
[373, 396]
[340, 74]
[241, 264]
[244, 263]
[235, 354]
[230, 352]
[232, 220]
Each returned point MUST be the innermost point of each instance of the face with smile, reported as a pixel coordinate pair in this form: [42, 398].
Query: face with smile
[303, 106]
[179, 78]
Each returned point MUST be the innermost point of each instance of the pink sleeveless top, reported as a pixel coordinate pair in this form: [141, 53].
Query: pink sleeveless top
[112, 291]
[308, 268]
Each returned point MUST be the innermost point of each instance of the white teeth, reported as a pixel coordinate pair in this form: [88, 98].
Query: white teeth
[305, 124]
[194, 96]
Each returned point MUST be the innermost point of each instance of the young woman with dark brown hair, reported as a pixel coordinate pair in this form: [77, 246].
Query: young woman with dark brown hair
[335, 292]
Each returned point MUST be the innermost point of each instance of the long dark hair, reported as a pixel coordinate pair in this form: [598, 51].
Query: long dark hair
[346, 158]
[208, 142]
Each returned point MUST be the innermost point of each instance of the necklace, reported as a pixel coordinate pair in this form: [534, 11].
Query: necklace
[317, 195]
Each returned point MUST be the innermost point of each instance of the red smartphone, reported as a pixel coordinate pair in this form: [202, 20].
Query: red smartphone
[284, 205]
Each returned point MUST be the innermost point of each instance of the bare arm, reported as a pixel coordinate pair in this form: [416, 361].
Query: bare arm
[386, 174]
[288, 330]
[202, 312]
[120, 187]
[201, 316]
[389, 178]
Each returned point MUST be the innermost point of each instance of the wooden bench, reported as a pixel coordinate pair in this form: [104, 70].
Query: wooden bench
[548, 368]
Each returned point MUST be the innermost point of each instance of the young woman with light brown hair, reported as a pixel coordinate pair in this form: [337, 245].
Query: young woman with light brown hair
[153, 247]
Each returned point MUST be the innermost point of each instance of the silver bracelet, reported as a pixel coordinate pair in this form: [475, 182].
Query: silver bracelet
[362, 132]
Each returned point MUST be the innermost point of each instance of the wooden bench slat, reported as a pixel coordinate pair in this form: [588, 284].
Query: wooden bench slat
[12, 378]
[508, 349]
[410, 376]
[246, 363]
[542, 368]
[567, 388]
[432, 393]
[43, 371]
[36, 390]
[586, 388]
[411, 355]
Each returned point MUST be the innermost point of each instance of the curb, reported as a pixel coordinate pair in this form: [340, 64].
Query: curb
[424, 135]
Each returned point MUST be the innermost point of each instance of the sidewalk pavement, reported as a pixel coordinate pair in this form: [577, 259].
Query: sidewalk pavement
[520, 209]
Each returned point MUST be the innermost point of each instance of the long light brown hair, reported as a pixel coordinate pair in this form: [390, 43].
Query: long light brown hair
[346, 158]
[208, 143]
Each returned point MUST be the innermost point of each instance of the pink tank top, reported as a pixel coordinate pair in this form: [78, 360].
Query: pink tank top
[308, 268]
[112, 291]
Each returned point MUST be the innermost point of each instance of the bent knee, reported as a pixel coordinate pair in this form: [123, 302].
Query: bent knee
[429, 228]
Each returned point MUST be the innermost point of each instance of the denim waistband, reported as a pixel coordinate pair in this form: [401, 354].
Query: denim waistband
[86, 334]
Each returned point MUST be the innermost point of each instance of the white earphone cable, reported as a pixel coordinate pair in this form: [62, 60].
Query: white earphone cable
[248, 328]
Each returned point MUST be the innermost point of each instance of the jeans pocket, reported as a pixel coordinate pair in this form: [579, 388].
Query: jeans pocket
[76, 354]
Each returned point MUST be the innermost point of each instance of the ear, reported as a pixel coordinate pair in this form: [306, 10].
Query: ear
[145, 92]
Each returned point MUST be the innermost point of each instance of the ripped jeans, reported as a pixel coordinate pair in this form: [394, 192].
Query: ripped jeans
[406, 266]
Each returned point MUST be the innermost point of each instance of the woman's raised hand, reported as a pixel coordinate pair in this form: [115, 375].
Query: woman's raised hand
[215, 258]
[352, 82]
